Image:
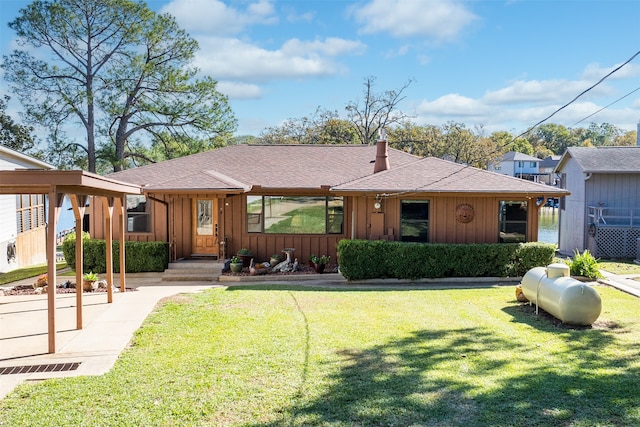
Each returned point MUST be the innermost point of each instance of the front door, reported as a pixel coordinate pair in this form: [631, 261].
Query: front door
[205, 227]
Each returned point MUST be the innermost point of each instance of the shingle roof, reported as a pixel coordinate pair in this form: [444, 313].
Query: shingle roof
[442, 176]
[604, 159]
[339, 167]
[549, 162]
[239, 167]
[519, 157]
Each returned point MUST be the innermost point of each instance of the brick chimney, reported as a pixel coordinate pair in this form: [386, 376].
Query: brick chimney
[382, 153]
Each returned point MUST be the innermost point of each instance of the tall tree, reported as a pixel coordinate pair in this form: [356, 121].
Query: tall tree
[375, 111]
[157, 95]
[113, 62]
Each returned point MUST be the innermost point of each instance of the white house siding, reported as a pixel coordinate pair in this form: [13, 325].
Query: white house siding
[572, 218]
[11, 160]
[7, 231]
[8, 218]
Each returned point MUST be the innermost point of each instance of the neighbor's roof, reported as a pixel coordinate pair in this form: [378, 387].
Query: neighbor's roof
[23, 160]
[549, 162]
[603, 159]
[242, 167]
[519, 157]
[435, 175]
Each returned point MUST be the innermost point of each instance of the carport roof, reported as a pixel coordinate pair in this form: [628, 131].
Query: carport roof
[35, 181]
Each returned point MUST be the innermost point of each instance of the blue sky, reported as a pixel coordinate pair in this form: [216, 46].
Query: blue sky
[503, 65]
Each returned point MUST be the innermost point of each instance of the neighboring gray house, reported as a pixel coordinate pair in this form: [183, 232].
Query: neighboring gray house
[546, 169]
[517, 164]
[602, 213]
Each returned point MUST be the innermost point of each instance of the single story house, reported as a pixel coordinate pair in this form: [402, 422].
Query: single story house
[517, 164]
[602, 213]
[269, 197]
[22, 218]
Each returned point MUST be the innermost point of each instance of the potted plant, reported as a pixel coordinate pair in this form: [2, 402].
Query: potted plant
[88, 281]
[41, 281]
[319, 262]
[245, 255]
[275, 260]
[236, 264]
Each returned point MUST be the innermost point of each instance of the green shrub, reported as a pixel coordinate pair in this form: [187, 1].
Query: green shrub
[139, 256]
[364, 259]
[584, 264]
[69, 247]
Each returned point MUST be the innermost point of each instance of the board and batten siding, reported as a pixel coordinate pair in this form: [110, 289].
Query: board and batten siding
[614, 190]
[361, 221]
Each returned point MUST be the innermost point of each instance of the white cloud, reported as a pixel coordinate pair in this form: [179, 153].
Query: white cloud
[438, 19]
[216, 18]
[331, 46]
[536, 91]
[452, 105]
[239, 90]
[233, 59]
[594, 72]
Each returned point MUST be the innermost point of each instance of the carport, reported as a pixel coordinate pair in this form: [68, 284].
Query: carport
[78, 185]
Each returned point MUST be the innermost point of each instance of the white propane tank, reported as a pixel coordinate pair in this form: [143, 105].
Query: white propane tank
[553, 290]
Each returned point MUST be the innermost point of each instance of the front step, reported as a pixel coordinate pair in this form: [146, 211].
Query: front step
[192, 271]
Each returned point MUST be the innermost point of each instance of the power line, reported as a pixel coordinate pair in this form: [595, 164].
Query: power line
[579, 95]
[606, 106]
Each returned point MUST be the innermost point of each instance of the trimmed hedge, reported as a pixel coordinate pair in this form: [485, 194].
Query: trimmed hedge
[367, 259]
[139, 256]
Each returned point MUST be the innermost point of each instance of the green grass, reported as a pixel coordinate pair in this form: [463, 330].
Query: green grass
[289, 356]
[25, 273]
[619, 266]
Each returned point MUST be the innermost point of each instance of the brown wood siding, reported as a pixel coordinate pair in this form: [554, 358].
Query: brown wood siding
[443, 226]
[232, 227]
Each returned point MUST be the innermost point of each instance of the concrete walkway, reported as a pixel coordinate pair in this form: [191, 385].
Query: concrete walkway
[108, 328]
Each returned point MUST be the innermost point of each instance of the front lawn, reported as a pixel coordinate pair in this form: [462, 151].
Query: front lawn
[619, 266]
[27, 272]
[296, 356]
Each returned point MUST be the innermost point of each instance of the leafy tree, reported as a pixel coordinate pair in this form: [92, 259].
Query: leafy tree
[115, 64]
[627, 139]
[375, 111]
[603, 134]
[555, 138]
[13, 135]
[322, 127]
[423, 141]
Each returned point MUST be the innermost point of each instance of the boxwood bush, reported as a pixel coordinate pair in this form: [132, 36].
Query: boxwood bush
[366, 259]
[139, 256]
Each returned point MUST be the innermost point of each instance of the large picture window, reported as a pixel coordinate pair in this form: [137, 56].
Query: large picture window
[295, 215]
[512, 221]
[414, 220]
[138, 214]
